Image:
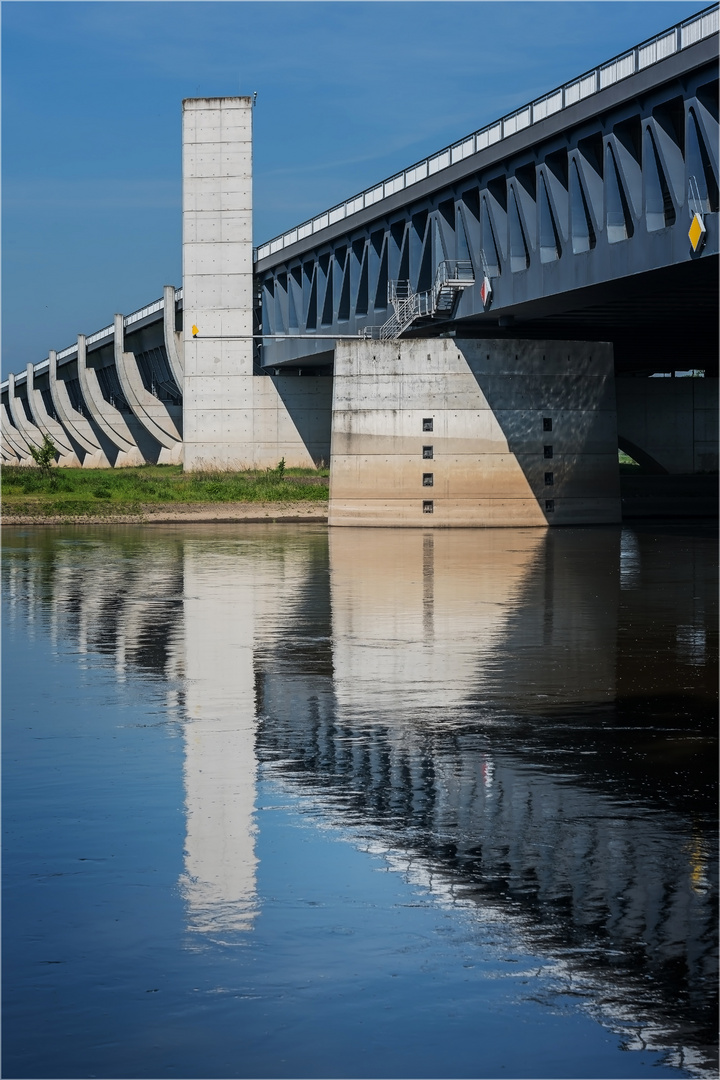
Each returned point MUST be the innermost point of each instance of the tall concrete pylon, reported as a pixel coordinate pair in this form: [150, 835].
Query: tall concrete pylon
[217, 282]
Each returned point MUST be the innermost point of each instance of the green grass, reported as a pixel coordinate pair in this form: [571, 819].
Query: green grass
[626, 463]
[108, 492]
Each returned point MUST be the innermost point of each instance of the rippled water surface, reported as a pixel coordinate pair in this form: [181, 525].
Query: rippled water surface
[282, 802]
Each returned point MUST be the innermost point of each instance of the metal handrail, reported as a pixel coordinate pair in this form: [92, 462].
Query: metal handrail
[107, 331]
[407, 305]
[450, 270]
[652, 51]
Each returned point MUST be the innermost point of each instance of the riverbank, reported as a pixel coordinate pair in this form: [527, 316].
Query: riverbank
[169, 513]
[161, 494]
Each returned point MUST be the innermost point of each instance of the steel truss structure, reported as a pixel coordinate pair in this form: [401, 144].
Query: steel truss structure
[587, 209]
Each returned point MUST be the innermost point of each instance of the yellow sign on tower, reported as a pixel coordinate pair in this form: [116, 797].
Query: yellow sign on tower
[696, 234]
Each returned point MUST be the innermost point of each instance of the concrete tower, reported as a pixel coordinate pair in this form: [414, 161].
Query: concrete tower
[217, 281]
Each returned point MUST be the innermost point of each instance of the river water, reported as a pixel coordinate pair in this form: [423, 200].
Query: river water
[288, 802]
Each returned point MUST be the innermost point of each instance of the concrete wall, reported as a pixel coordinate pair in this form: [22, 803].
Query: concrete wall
[497, 410]
[672, 421]
[291, 419]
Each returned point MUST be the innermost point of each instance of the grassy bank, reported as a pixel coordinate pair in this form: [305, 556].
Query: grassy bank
[117, 492]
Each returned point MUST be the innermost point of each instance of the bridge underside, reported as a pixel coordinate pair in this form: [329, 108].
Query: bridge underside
[579, 223]
[665, 320]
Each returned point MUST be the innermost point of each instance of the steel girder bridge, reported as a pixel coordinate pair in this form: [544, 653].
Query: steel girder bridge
[567, 219]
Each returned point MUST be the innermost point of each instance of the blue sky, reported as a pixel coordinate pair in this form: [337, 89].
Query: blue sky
[348, 93]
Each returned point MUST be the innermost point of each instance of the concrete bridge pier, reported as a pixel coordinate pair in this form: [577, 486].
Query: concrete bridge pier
[120, 430]
[448, 432]
[27, 430]
[14, 445]
[155, 417]
[67, 455]
[77, 426]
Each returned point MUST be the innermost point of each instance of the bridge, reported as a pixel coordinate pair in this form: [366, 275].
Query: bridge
[576, 207]
[525, 280]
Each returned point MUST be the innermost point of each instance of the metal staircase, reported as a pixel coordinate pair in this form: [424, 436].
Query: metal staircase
[451, 277]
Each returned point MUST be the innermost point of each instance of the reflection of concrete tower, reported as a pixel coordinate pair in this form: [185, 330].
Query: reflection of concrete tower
[219, 880]
[234, 602]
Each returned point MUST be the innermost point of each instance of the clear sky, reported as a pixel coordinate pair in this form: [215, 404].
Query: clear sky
[348, 93]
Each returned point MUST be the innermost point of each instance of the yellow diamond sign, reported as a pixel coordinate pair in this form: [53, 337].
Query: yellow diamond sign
[696, 235]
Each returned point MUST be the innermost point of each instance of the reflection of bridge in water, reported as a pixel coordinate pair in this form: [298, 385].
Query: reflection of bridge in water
[480, 725]
[471, 723]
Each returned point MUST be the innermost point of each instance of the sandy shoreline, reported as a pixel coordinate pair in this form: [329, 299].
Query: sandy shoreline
[167, 513]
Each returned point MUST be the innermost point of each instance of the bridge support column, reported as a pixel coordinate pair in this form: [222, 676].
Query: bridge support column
[444, 432]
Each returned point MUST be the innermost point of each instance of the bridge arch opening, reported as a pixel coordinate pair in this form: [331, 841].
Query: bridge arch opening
[645, 461]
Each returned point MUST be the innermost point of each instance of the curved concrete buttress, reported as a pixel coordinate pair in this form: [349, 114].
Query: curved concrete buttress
[173, 339]
[109, 419]
[7, 453]
[13, 437]
[147, 409]
[47, 426]
[76, 425]
[10, 437]
[29, 432]
[10, 452]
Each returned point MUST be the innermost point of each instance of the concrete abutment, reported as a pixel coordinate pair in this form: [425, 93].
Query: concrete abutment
[447, 432]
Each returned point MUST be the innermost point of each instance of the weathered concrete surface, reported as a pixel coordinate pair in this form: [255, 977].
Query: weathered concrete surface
[672, 421]
[490, 458]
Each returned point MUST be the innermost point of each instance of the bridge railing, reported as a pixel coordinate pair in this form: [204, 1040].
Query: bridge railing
[649, 52]
[107, 331]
